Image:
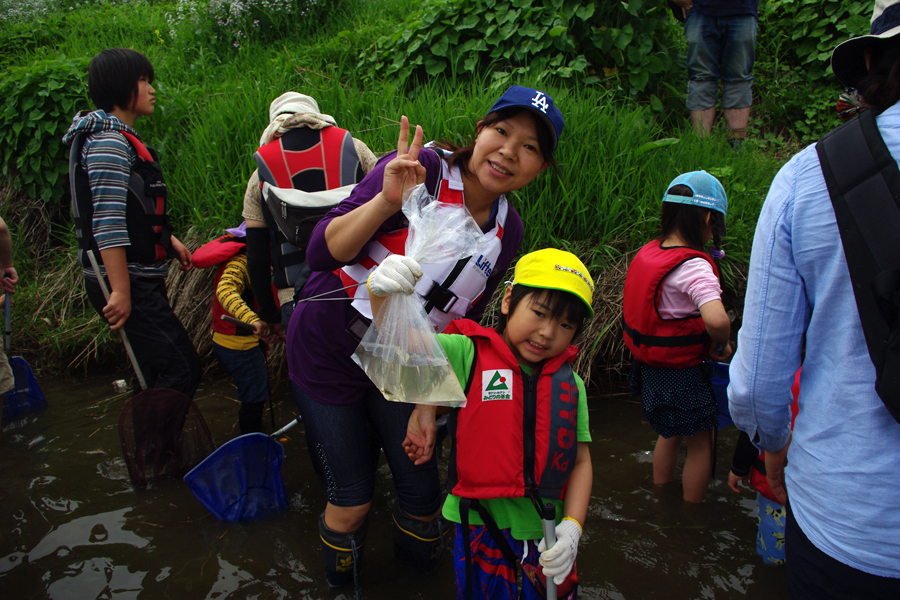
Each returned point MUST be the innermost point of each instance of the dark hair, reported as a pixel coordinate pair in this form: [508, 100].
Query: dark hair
[689, 220]
[460, 155]
[559, 303]
[113, 77]
[880, 87]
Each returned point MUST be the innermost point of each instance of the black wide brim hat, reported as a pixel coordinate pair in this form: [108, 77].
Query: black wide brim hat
[848, 60]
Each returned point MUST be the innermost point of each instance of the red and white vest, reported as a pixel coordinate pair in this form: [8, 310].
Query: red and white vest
[653, 340]
[449, 290]
[306, 159]
[516, 436]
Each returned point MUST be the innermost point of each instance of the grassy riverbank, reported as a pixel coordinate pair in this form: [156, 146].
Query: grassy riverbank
[620, 148]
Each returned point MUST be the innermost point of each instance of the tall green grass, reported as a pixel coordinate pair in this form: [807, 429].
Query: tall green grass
[615, 157]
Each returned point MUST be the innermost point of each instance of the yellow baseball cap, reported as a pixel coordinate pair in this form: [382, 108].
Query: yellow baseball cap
[556, 270]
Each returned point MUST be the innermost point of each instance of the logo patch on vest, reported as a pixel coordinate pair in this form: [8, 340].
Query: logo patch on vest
[496, 384]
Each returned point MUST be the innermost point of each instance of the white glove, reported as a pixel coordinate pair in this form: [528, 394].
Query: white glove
[397, 274]
[558, 560]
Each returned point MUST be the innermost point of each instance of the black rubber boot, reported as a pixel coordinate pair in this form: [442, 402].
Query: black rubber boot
[418, 543]
[342, 554]
[250, 417]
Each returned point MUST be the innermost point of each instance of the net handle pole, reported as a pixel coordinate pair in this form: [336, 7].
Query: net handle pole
[548, 523]
[6, 307]
[128, 350]
[286, 427]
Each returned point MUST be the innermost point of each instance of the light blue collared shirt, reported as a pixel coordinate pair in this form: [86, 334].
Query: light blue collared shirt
[842, 474]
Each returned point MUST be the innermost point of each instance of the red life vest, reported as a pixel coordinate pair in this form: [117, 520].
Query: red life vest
[652, 339]
[758, 477]
[146, 220]
[516, 436]
[218, 252]
[311, 160]
[448, 290]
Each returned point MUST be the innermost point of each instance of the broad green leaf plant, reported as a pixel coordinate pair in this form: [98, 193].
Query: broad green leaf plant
[36, 107]
[632, 43]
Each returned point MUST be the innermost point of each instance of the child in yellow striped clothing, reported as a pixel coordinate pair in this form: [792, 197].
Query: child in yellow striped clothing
[240, 350]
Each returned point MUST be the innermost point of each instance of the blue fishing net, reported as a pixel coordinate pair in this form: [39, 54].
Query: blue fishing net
[719, 380]
[241, 481]
[26, 396]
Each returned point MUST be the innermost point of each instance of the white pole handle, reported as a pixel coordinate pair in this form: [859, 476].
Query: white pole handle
[128, 350]
[548, 522]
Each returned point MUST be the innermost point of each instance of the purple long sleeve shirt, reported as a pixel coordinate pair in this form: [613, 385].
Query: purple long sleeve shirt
[319, 339]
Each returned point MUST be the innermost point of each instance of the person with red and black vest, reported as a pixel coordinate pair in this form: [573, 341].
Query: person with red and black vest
[342, 409]
[673, 317]
[302, 149]
[240, 350]
[521, 439]
[119, 200]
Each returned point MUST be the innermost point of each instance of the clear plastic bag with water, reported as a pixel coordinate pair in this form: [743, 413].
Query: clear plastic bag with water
[402, 355]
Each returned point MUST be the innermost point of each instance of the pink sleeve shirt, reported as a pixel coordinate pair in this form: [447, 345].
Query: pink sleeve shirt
[691, 285]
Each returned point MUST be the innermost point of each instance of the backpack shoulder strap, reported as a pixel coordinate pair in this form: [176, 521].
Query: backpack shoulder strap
[863, 182]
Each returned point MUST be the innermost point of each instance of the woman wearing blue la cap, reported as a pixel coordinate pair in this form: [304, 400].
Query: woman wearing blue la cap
[341, 408]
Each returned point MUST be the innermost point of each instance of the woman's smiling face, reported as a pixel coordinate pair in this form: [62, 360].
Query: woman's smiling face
[507, 155]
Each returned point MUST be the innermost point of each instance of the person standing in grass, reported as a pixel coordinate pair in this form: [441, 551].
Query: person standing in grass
[520, 372]
[119, 205]
[341, 408]
[8, 280]
[721, 38]
[673, 318]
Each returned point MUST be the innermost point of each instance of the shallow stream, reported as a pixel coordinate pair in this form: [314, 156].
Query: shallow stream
[72, 527]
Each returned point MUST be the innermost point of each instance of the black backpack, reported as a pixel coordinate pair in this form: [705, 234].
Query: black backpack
[864, 184]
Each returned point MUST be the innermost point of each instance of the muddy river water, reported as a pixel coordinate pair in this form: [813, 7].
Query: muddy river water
[72, 527]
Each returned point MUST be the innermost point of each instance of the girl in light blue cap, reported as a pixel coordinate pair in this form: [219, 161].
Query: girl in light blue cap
[674, 317]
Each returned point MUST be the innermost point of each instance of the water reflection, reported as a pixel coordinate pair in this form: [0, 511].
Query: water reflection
[72, 526]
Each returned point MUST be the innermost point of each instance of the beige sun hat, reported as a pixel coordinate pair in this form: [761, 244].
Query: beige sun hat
[848, 60]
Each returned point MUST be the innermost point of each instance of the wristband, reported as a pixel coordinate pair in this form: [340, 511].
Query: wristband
[580, 530]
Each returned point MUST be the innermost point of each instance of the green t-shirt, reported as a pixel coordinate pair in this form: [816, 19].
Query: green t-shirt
[516, 514]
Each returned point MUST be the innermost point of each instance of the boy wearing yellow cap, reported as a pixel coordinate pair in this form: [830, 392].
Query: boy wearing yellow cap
[521, 439]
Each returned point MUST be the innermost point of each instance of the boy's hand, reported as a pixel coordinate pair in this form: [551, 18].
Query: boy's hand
[9, 279]
[558, 560]
[397, 274]
[261, 329]
[421, 433]
[734, 479]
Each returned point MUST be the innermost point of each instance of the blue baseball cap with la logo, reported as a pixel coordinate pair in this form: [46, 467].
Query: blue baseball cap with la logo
[536, 101]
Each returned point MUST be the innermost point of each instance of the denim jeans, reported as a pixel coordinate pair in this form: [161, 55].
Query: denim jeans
[248, 371]
[344, 441]
[162, 347]
[719, 48]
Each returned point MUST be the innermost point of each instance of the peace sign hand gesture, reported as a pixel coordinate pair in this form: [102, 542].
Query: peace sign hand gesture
[405, 170]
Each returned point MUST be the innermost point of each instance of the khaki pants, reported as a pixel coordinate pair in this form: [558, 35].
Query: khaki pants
[7, 380]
